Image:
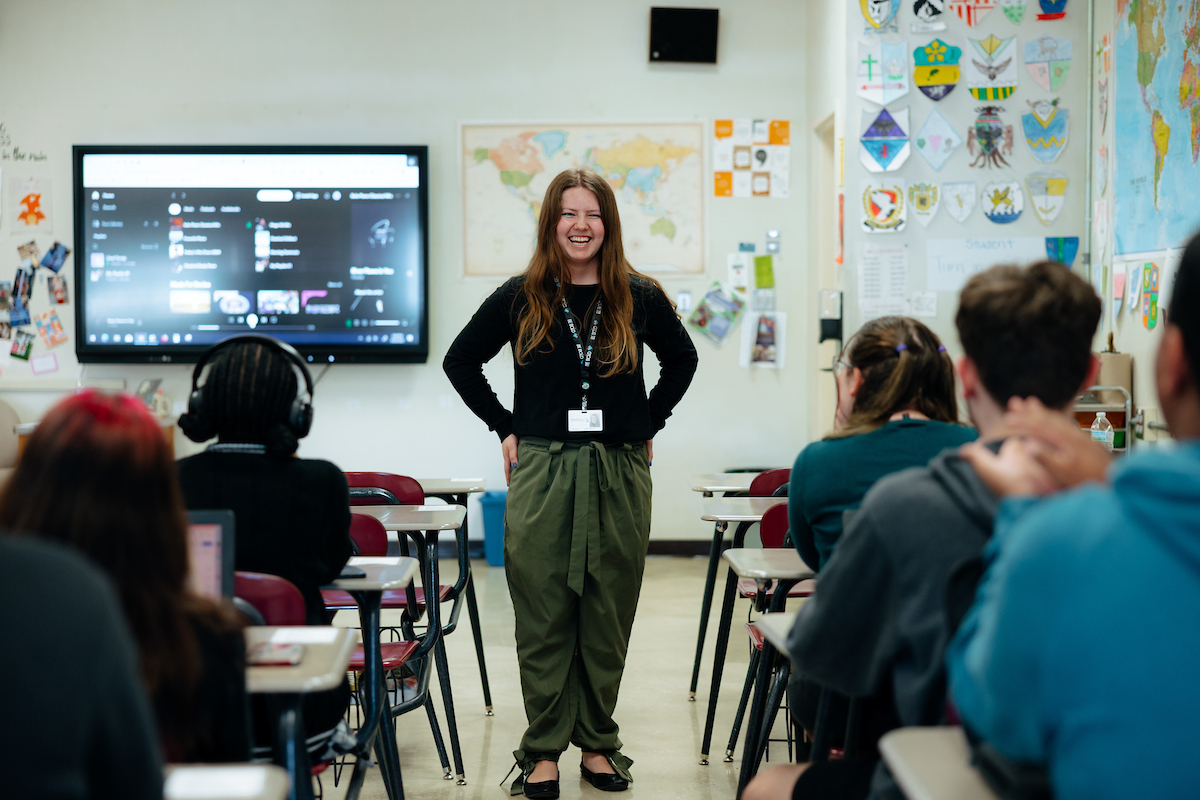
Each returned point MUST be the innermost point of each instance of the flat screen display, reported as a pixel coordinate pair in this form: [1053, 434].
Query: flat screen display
[323, 247]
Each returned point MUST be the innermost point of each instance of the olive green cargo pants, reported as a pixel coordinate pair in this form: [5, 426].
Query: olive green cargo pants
[576, 529]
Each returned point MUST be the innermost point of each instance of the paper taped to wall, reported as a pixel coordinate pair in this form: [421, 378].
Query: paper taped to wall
[950, 262]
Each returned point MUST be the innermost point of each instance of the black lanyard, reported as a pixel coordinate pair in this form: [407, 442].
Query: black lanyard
[585, 356]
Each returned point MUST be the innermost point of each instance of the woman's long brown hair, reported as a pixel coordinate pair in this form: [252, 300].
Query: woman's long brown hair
[918, 375]
[97, 474]
[618, 350]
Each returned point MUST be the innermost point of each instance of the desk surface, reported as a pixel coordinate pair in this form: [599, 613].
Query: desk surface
[433, 486]
[225, 782]
[415, 518]
[383, 572]
[767, 563]
[327, 652]
[722, 481]
[933, 764]
[738, 509]
[775, 628]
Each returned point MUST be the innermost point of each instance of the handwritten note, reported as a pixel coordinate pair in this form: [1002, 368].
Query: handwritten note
[950, 262]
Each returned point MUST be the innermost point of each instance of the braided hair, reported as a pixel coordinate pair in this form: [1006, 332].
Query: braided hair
[251, 388]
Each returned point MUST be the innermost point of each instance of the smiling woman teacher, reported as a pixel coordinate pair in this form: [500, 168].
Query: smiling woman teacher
[577, 448]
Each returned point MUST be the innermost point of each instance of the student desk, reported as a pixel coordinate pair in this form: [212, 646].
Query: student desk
[327, 652]
[455, 491]
[382, 573]
[225, 782]
[424, 523]
[775, 627]
[708, 484]
[933, 764]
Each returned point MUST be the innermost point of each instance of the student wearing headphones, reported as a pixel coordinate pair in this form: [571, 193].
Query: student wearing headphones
[292, 514]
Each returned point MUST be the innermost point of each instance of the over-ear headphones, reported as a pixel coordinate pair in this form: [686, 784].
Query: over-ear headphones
[199, 423]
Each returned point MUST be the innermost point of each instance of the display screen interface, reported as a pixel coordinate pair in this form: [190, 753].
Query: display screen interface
[179, 250]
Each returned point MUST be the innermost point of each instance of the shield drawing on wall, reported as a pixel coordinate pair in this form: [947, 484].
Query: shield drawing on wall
[971, 11]
[1047, 59]
[1013, 9]
[991, 68]
[959, 199]
[1045, 129]
[1002, 201]
[882, 72]
[923, 201]
[879, 13]
[1063, 249]
[935, 68]
[1048, 193]
[1052, 9]
[883, 145]
[989, 140]
[929, 10]
[936, 141]
[884, 207]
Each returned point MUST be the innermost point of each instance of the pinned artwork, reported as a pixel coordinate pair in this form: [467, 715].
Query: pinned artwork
[1100, 226]
[1048, 193]
[936, 141]
[971, 11]
[882, 71]
[31, 199]
[1102, 103]
[989, 140]
[935, 68]
[884, 207]
[1045, 128]
[879, 14]
[929, 14]
[1003, 201]
[924, 200]
[1052, 9]
[1150, 296]
[22, 344]
[50, 329]
[959, 198]
[55, 257]
[1062, 249]
[1102, 170]
[883, 145]
[1013, 9]
[1048, 60]
[991, 70]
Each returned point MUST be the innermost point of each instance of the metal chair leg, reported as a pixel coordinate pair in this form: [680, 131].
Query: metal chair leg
[477, 632]
[774, 700]
[443, 669]
[741, 711]
[438, 742]
[710, 580]
[719, 662]
[752, 742]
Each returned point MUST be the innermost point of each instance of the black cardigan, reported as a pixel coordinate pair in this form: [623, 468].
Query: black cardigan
[548, 386]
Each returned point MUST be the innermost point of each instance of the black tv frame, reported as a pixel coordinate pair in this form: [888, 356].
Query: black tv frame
[88, 353]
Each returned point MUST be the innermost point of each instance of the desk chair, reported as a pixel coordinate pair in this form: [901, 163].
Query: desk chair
[769, 483]
[384, 488]
[773, 532]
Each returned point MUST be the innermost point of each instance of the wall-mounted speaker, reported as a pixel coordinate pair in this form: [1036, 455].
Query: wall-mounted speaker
[684, 34]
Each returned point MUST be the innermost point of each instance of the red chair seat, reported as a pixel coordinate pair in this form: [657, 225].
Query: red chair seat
[749, 588]
[394, 656]
[338, 600]
[756, 637]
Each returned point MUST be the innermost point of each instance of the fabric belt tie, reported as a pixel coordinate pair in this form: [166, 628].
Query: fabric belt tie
[585, 527]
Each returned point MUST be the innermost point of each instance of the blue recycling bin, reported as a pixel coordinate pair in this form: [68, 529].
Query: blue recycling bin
[492, 505]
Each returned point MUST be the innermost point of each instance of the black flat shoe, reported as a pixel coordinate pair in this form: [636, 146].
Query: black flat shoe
[604, 781]
[542, 790]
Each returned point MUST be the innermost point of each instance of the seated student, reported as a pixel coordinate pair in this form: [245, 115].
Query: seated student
[97, 475]
[877, 623]
[896, 408]
[292, 515]
[74, 712]
[1080, 652]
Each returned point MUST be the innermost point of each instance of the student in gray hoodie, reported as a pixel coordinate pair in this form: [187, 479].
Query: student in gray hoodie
[877, 624]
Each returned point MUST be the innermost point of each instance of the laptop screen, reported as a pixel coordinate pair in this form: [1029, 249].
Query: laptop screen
[210, 553]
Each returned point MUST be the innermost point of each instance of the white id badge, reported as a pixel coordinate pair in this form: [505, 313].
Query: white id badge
[590, 421]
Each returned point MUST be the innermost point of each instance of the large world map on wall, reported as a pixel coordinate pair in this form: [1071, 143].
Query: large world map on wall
[1157, 124]
[656, 171]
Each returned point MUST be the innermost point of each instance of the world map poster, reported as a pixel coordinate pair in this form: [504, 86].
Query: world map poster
[655, 170]
[1157, 124]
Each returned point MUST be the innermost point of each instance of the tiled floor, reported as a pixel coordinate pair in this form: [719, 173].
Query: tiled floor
[660, 728]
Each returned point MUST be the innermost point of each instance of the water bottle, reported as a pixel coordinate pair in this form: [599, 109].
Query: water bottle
[1102, 431]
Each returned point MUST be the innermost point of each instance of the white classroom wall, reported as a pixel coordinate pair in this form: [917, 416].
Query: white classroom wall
[377, 72]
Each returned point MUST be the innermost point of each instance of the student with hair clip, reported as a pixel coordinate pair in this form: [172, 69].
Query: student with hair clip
[577, 450]
[97, 475]
[896, 408]
[292, 515]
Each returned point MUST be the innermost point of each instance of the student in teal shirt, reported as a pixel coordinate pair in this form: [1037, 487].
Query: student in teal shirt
[896, 408]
